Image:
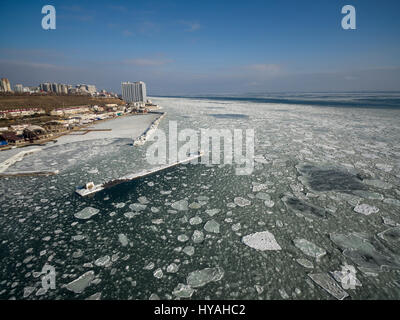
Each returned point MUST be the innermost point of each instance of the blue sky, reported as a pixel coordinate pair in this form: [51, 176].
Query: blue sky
[201, 47]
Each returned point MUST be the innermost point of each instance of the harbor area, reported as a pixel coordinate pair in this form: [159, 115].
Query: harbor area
[101, 135]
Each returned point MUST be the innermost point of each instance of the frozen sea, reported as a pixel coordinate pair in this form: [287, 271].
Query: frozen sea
[324, 197]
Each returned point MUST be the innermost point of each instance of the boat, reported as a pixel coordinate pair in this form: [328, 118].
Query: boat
[89, 188]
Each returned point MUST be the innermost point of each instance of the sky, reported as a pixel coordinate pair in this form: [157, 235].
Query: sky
[204, 47]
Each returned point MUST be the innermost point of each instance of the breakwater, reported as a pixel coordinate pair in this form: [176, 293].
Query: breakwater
[141, 140]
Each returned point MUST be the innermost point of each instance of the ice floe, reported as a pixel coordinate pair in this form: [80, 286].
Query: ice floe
[123, 239]
[200, 278]
[309, 248]
[172, 268]
[212, 226]
[346, 277]
[366, 252]
[242, 202]
[323, 177]
[304, 208]
[86, 213]
[197, 236]
[366, 209]
[325, 281]
[181, 205]
[81, 283]
[189, 250]
[262, 241]
[195, 221]
[137, 206]
[101, 262]
[183, 291]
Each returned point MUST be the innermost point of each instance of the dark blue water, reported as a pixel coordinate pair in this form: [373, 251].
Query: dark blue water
[384, 100]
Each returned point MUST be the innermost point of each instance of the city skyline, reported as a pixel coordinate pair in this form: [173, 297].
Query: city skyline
[181, 47]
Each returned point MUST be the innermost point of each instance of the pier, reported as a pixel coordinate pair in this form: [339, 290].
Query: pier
[137, 175]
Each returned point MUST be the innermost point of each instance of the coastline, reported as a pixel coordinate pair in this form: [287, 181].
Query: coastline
[137, 130]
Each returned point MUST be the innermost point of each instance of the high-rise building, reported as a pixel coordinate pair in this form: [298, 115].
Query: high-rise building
[5, 85]
[91, 88]
[134, 92]
[54, 87]
[19, 88]
[63, 89]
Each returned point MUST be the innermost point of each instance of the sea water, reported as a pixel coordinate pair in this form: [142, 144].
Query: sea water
[324, 193]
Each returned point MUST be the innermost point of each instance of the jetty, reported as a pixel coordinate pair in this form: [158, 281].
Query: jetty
[141, 140]
[28, 173]
[91, 188]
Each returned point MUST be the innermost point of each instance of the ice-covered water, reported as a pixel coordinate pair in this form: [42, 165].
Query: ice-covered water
[325, 191]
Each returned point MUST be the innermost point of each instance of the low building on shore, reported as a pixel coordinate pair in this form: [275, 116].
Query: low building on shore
[55, 126]
[18, 128]
[11, 138]
[32, 133]
[69, 110]
[17, 113]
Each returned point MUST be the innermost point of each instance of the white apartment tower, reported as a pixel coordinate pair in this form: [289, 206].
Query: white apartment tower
[134, 92]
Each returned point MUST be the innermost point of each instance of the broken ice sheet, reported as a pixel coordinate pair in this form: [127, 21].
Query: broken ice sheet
[212, 226]
[346, 277]
[364, 251]
[303, 208]
[131, 215]
[123, 239]
[378, 184]
[365, 209]
[137, 207]
[86, 213]
[173, 268]
[242, 202]
[200, 278]
[197, 236]
[195, 221]
[328, 177]
[183, 291]
[80, 284]
[309, 248]
[305, 263]
[327, 283]
[181, 205]
[189, 250]
[262, 241]
[212, 212]
[101, 262]
[392, 238]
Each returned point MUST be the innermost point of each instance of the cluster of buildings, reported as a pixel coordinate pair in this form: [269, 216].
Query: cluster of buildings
[18, 113]
[61, 88]
[67, 119]
[57, 88]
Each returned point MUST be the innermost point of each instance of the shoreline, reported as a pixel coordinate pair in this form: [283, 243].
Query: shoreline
[61, 134]
[138, 141]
